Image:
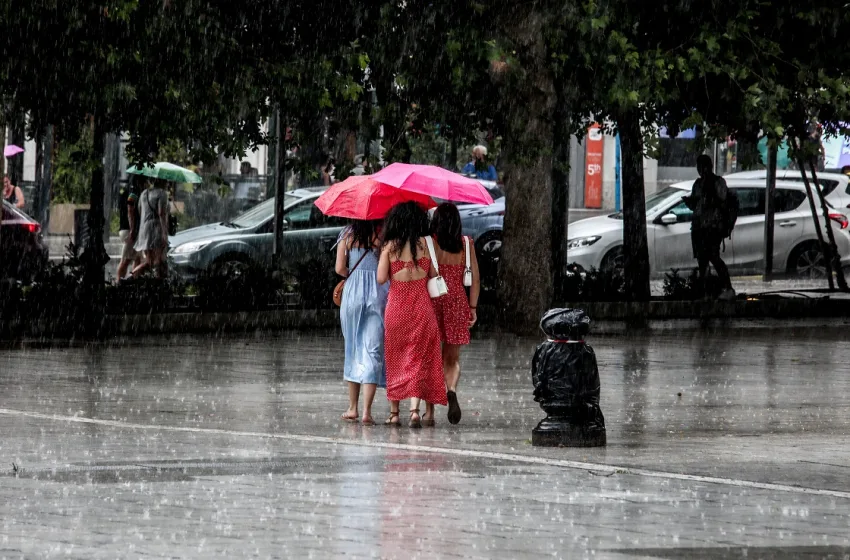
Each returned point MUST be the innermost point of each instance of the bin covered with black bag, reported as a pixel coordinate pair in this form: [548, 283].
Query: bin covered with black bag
[566, 383]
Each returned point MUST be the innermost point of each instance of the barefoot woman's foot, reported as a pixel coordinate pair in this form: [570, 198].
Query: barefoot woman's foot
[367, 420]
[454, 408]
[349, 416]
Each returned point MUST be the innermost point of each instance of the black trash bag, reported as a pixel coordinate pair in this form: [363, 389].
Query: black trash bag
[564, 370]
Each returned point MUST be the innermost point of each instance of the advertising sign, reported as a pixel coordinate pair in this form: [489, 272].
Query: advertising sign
[593, 167]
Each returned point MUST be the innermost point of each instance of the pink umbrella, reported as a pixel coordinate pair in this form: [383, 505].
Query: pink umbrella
[12, 150]
[433, 181]
[362, 198]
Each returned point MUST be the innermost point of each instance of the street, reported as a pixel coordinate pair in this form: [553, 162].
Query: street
[232, 447]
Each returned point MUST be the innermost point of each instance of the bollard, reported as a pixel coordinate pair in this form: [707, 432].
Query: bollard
[566, 383]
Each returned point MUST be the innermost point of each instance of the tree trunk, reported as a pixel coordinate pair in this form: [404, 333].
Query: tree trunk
[833, 247]
[525, 277]
[769, 212]
[560, 191]
[17, 137]
[823, 245]
[95, 256]
[635, 247]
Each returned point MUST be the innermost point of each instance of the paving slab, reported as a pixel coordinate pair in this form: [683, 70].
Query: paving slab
[202, 447]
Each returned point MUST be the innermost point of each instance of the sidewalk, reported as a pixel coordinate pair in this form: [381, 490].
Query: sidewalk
[231, 446]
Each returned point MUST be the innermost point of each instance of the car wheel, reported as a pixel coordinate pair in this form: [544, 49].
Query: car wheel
[613, 260]
[231, 266]
[489, 246]
[807, 261]
[489, 251]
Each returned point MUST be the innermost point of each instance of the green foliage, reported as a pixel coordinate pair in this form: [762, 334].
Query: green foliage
[74, 164]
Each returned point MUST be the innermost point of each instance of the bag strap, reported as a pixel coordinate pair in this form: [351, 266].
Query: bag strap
[363, 256]
[430, 243]
[466, 245]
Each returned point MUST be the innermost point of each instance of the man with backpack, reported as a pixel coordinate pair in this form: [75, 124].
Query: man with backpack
[715, 210]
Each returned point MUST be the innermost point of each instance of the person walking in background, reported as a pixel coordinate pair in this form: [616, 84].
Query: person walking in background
[153, 229]
[412, 339]
[707, 200]
[362, 316]
[128, 219]
[456, 312]
[479, 167]
[12, 194]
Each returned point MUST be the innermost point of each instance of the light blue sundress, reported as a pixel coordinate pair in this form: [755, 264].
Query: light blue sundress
[362, 318]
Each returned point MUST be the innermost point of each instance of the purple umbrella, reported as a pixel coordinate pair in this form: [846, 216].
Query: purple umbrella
[12, 150]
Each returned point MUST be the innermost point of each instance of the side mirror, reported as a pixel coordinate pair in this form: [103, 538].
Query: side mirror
[669, 219]
[285, 225]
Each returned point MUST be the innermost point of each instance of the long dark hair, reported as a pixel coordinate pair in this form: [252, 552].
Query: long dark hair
[405, 223]
[446, 226]
[363, 233]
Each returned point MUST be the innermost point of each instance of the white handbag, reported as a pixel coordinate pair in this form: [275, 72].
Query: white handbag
[467, 273]
[437, 286]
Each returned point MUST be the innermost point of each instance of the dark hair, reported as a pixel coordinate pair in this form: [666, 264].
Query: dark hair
[405, 223]
[363, 232]
[704, 159]
[446, 226]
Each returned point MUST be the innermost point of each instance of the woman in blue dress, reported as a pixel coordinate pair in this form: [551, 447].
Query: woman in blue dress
[362, 316]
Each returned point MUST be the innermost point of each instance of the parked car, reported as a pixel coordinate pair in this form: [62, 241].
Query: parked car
[23, 253]
[598, 242]
[248, 240]
[484, 224]
[835, 186]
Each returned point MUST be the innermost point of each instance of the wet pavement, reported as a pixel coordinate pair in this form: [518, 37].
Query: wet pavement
[210, 446]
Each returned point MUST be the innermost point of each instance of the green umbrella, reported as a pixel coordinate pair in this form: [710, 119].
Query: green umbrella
[166, 171]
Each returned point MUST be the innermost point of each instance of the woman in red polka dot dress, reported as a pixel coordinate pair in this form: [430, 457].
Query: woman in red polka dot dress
[456, 312]
[412, 338]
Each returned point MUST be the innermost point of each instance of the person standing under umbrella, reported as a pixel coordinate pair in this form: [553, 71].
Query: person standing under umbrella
[153, 230]
[412, 339]
[362, 316]
[456, 313]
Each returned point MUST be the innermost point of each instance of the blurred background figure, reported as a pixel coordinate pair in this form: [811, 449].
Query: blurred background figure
[479, 167]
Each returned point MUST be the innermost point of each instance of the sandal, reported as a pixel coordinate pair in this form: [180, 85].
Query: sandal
[414, 423]
[454, 407]
[367, 421]
[349, 419]
[429, 423]
[390, 422]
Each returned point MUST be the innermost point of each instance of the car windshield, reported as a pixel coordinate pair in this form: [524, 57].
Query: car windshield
[261, 212]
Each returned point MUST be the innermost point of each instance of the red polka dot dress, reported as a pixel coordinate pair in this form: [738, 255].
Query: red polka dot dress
[412, 340]
[452, 309]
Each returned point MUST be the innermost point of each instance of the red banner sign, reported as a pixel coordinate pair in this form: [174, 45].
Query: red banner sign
[593, 167]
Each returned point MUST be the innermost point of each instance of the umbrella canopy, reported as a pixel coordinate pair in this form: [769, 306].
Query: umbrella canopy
[12, 150]
[363, 198]
[167, 172]
[433, 181]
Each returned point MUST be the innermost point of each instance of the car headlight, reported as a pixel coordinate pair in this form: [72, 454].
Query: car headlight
[192, 247]
[579, 242]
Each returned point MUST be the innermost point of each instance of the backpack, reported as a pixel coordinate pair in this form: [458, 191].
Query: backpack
[729, 212]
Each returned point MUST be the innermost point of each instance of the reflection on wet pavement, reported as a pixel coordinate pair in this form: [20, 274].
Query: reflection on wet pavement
[180, 460]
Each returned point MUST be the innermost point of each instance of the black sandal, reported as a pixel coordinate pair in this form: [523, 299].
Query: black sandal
[415, 423]
[454, 407]
[389, 421]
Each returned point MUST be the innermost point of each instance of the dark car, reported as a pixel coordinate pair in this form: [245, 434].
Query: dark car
[23, 254]
[221, 249]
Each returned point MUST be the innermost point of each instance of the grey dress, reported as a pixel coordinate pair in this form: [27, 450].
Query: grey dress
[152, 203]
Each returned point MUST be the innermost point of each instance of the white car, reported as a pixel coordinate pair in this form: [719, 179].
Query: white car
[598, 242]
[835, 186]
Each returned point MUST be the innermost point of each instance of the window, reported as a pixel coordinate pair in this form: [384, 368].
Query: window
[786, 200]
[677, 152]
[298, 217]
[319, 220]
[682, 212]
[750, 202]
